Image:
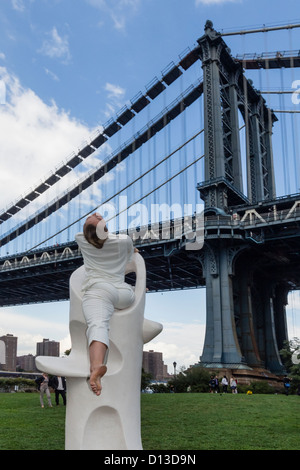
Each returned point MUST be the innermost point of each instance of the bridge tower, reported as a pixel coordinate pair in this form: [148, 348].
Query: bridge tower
[245, 324]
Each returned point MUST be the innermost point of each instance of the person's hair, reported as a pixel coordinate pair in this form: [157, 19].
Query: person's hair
[89, 231]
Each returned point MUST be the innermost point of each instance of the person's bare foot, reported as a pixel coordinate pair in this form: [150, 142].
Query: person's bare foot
[95, 378]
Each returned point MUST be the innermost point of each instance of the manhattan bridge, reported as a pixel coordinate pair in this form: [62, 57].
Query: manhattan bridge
[189, 169]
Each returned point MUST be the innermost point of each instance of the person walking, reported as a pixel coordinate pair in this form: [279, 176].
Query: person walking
[43, 387]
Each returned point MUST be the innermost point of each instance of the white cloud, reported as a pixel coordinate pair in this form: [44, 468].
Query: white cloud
[179, 342]
[118, 10]
[293, 314]
[115, 95]
[18, 5]
[56, 46]
[32, 329]
[114, 91]
[51, 75]
[35, 137]
[294, 300]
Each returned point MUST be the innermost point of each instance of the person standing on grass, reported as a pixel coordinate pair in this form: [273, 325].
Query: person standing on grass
[233, 385]
[224, 383]
[212, 384]
[43, 387]
[59, 385]
[287, 384]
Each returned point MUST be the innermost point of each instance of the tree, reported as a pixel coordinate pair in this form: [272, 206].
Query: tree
[291, 350]
[145, 379]
[194, 379]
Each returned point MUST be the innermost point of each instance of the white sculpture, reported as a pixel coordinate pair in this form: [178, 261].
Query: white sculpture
[110, 421]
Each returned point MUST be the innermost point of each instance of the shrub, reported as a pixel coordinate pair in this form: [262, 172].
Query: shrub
[160, 388]
[8, 383]
[195, 379]
[261, 387]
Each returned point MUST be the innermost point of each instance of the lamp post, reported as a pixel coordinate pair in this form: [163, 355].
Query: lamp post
[174, 365]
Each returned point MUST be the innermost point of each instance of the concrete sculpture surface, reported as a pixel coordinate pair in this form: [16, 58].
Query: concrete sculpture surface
[110, 421]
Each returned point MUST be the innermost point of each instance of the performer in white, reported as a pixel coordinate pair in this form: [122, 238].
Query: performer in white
[113, 419]
[105, 258]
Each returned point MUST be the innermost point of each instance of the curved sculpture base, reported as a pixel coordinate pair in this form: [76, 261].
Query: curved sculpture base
[110, 421]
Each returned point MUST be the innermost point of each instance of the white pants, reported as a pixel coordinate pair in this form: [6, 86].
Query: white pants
[99, 303]
[45, 389]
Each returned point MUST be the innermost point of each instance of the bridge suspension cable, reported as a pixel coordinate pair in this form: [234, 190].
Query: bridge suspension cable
[262, 29]
[126, 114]
[153, 89]
[128, 186]
[278, 92]
[291, 111]
[169, 113]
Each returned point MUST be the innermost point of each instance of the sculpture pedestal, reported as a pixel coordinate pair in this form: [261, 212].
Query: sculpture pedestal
[110, 421]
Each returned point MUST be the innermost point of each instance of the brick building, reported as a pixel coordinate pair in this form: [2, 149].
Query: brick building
[26, 363]
[10, 352]
[47, 348]
[153, 364]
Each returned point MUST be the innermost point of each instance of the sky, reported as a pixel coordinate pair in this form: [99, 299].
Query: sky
[70, 65]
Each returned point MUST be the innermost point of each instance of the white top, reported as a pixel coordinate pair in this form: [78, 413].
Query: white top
[108, 263]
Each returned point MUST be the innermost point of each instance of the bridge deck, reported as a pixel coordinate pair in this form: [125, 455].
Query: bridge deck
[271, 227]
[271, 60]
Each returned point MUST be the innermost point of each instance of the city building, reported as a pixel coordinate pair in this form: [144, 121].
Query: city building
[47, 348]
[8, 354]
[153, 364]
[26, 363]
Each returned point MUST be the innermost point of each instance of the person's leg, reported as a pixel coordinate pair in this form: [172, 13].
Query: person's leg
[42, 398]
[98, 306]
[97, 368]
[48, 397]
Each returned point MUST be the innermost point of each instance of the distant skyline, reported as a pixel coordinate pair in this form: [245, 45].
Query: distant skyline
[26, 322]
[180, 341]
[69, 66]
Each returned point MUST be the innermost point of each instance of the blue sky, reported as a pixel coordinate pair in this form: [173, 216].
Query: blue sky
[70, 65]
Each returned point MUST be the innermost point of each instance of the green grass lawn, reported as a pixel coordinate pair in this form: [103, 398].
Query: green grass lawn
[169, 422]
